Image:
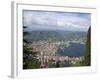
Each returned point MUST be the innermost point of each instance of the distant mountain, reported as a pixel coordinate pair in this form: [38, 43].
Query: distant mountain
[59, 35]
[52, 28]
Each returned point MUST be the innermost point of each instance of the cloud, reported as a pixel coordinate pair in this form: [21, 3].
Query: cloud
[56, 20]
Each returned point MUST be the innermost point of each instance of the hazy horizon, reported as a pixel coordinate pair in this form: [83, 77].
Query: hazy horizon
[47, 20]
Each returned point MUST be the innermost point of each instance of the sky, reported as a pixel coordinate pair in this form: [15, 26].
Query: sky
[50, 20]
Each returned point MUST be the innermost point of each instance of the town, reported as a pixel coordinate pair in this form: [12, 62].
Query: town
[46, 54]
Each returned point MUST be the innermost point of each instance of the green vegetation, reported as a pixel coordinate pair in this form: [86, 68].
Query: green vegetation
[29, 58]
[87, 53]
[55, 36]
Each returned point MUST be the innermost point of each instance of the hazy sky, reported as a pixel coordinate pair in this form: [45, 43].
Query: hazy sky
[43, 20]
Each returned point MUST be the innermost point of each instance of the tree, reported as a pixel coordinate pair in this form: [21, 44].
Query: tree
[87, 53]
[29, 59]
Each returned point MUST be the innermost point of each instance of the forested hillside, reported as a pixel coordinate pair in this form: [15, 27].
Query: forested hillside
[54, 36]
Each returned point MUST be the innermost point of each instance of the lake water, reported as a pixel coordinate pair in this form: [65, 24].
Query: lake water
[74, 50]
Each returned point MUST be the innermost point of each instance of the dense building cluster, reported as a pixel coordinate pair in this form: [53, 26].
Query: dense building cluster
[46, 52]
